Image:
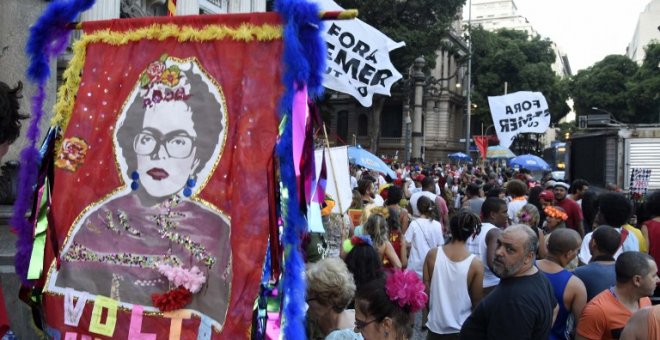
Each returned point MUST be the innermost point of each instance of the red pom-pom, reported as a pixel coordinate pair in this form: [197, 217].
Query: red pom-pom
[174, 299]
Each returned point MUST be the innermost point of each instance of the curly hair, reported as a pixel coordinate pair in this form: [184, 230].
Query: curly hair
[207, 121]
[331, 283]
[516, 188]
[10, 125]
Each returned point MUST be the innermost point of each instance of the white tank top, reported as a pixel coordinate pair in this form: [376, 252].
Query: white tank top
[450, 303]
[478, 247]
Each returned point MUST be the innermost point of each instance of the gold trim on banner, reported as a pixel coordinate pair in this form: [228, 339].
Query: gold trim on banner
[67, 92]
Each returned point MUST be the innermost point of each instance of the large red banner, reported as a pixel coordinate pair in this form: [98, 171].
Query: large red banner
[160, 197]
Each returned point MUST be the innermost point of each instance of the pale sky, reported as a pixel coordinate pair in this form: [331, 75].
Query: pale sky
[586, 30]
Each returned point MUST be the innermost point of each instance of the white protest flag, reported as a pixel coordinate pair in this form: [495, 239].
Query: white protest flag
[358, 57]
[519, 112]
[339, 167]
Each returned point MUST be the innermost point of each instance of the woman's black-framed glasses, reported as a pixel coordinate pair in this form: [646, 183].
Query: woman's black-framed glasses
[359, 324]
[177, 144]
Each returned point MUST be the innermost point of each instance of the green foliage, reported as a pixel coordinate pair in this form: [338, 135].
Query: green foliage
[420, 23]
[644, 88]
[523, 62]
[604, 85]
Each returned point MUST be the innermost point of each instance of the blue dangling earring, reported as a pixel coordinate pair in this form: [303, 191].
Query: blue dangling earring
[190, 184]
[135, 176]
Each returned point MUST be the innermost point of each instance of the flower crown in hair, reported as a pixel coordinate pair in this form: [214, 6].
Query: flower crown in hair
[361, 239]
[406, 289]
[555, 213]
[524, 216]
[382, 211]
[163, 81]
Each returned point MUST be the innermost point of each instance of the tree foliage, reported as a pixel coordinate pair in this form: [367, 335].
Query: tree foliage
[644, 88]
[420, 23]
[604, 85]
[617, 85]
[524, 63]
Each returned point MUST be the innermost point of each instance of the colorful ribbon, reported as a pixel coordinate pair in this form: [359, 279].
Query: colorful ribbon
[41, 226]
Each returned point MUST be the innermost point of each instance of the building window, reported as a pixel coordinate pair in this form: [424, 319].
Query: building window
[363, 125]
[342, 127]
[391, 121]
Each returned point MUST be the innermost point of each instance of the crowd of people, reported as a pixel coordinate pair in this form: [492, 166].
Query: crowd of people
[501, 256]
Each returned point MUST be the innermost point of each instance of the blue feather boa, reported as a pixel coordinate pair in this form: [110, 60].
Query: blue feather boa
[48, 38]
[304, 62]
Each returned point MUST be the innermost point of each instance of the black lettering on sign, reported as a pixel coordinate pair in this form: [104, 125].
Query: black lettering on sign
[331, 48]
[347, 40]
[361, 48]
[380, 77]
[334, 30]
[367, 71]
[504, 125]
[347, 65]
[362, 90]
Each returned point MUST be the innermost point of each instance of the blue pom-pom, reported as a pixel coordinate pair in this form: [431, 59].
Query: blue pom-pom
[134, 186]
[187, 192]
[135, 175]
[191, 183]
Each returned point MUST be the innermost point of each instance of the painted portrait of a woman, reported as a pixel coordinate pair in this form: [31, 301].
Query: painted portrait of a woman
[153, 235]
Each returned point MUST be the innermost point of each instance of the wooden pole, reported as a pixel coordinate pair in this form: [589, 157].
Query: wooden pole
[347, 14]
[334, 179]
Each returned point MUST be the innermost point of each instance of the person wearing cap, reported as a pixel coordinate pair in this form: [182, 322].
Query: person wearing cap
[549, 185]
[572, 209]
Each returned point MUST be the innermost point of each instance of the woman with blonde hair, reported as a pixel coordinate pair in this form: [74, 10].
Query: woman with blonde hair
[530, 216]
[377, 228]
[330, 288]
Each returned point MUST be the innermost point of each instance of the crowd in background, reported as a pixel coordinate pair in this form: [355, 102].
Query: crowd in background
[502, 254]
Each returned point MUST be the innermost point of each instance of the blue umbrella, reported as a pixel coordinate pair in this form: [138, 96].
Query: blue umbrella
[529, 162]
[459, 156]
[368, 160]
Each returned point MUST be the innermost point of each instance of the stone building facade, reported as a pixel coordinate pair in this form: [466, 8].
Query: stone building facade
[443, 110]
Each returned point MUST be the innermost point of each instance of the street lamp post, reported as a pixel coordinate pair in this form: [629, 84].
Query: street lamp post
[418, 77]
[469, 82]
[408, 121]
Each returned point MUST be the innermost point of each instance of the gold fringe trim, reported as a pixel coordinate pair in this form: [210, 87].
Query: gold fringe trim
[67, 92]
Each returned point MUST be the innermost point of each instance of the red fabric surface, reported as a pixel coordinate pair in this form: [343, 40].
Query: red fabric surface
[249, 75]
[4, 319]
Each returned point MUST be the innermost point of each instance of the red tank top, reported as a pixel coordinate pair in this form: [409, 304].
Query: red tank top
[395, 240]
[654, 238]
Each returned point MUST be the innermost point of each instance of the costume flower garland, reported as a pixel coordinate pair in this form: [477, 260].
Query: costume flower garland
[160, 82]
[555, 213]
[406, 289]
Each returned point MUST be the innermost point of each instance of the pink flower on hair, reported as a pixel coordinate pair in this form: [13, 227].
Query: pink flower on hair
[192, 279]
[406, 289]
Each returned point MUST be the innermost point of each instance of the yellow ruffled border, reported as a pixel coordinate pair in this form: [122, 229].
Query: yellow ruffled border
[67, 92]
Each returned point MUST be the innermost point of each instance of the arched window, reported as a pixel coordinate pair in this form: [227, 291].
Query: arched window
[363, 125]
[342, 127]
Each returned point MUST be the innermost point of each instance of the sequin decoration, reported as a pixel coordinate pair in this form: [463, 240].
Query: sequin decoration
[168, 224]
[79, 253]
